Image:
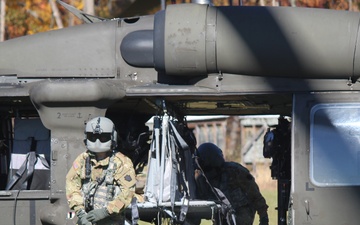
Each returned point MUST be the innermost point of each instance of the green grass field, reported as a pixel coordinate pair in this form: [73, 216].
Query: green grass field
[271, 200]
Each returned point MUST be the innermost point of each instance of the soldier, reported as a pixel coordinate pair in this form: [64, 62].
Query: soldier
[233, 180]
[101, 182]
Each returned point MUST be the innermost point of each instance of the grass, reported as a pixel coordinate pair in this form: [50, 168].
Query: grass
[271, 200]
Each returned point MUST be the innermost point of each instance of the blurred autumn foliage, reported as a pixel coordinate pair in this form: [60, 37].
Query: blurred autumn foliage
[26, 17]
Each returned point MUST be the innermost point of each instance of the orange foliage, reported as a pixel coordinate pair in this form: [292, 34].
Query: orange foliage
[26, 17]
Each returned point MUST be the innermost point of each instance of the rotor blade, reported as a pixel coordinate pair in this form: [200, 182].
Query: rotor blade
[87, 18]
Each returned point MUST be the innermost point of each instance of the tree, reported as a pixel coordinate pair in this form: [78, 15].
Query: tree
[26, 17]
[2, 20]
[56, 14]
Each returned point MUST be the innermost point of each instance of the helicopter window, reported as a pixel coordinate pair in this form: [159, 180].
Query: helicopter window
[335, 145]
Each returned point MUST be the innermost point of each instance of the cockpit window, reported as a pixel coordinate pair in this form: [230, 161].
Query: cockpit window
[335, 145]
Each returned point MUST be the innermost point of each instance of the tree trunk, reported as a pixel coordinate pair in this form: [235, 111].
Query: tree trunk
[56, 14]
[2, 20]
[89, 7]
[233, 142]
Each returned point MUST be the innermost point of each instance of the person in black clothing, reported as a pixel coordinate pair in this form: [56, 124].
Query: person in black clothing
[233, 180]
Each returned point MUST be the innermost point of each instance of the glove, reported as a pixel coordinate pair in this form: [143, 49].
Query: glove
[264, 220]
[82, 218]
[97, 214]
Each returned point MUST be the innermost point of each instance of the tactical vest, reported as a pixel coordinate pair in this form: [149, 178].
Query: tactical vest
[98, 193]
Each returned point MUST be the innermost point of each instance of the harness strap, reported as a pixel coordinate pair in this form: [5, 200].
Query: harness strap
[92, 186]
[184, 209]
[43, 161]
[174, 173]
[187, 166]
[186, 170]
[134, 212]
[16, 177]
[32, 160]
[29, 165]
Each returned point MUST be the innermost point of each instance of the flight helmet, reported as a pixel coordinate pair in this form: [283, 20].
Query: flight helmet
[100, 135]
[209, 156]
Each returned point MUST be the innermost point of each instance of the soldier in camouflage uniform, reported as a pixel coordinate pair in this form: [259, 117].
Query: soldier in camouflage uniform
[101, 182]
[234, 181]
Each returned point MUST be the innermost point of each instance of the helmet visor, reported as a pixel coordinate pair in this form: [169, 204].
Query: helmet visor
[103, 137]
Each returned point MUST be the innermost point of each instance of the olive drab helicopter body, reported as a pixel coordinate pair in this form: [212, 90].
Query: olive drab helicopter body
[188, 59]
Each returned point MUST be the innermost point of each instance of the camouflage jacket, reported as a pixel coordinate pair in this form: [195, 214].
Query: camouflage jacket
[124, 177]
[238, 185]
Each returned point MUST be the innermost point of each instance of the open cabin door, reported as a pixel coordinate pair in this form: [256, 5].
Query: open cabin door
[170, 191]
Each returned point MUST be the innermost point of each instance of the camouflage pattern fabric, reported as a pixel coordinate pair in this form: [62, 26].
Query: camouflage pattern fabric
[124, 178]
[240, 188]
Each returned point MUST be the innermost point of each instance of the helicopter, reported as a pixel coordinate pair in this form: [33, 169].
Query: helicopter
[188, 59]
